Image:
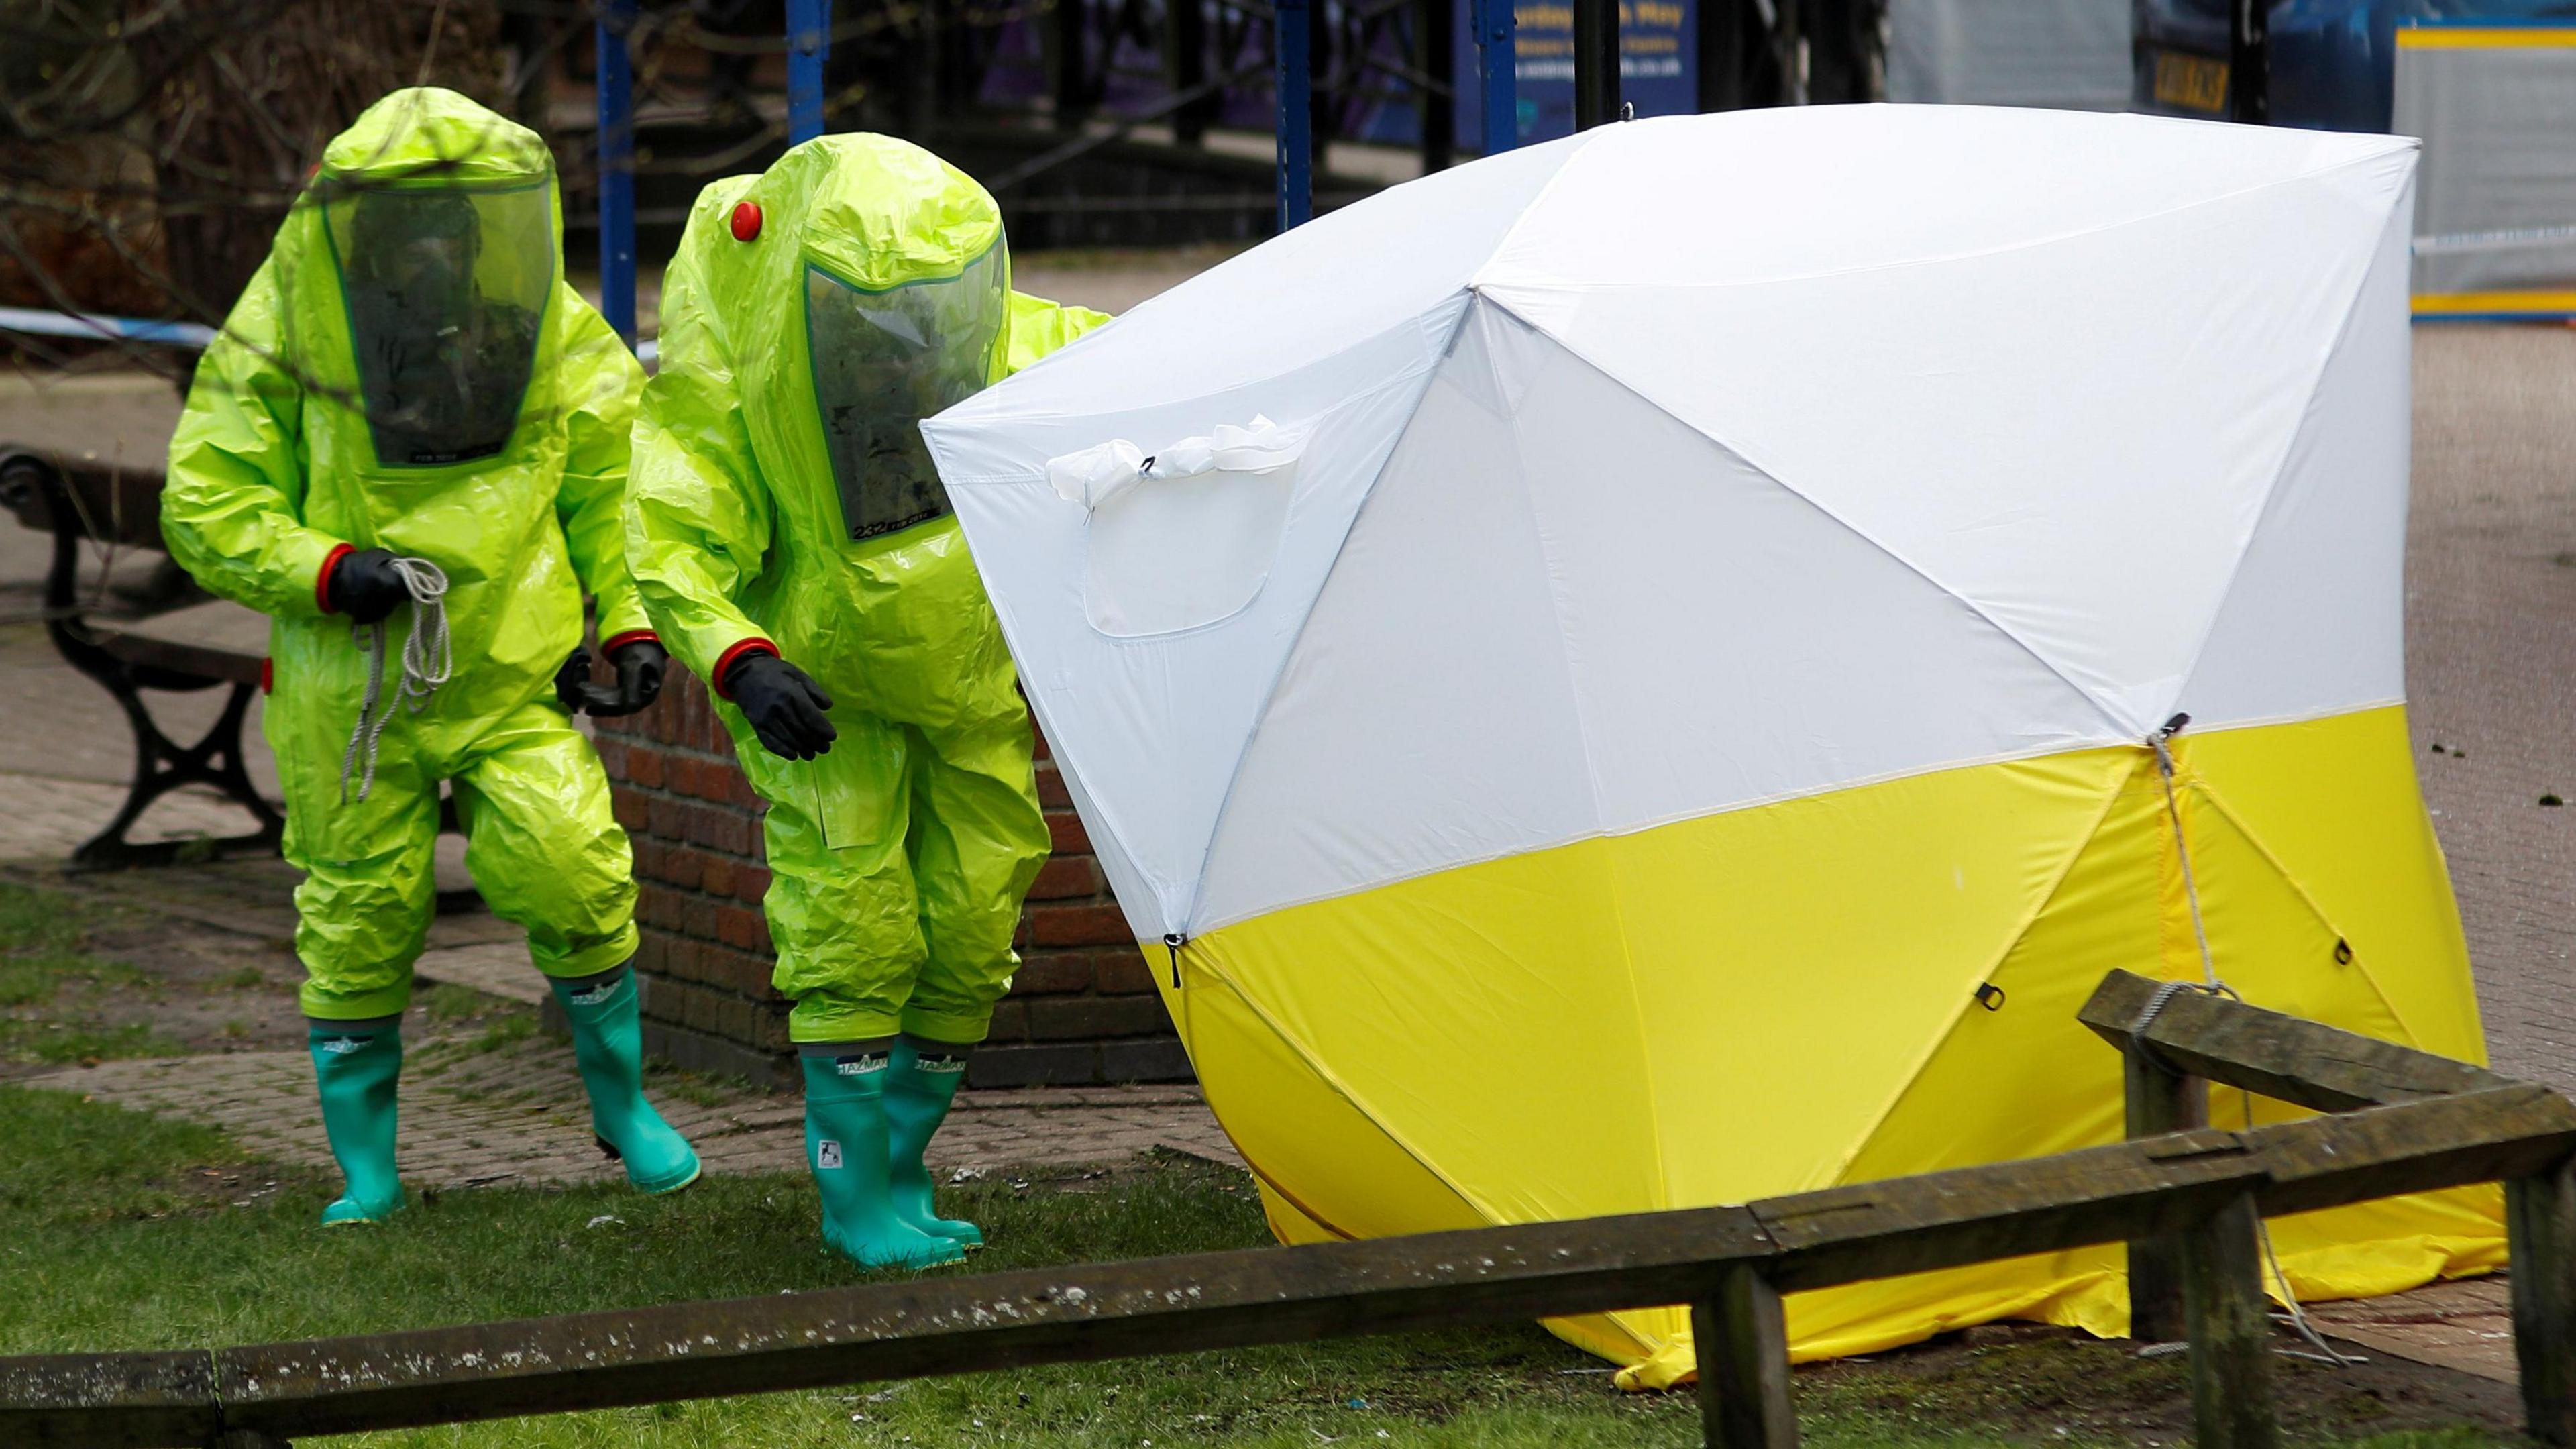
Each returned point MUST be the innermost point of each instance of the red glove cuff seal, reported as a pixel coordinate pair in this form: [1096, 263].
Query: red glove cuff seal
[322, 580]
[725, 661]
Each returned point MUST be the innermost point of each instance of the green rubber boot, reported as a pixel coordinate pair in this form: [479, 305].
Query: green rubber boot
[356, 1065]
[845, 1145]
[920, 1083]
[608, 1046]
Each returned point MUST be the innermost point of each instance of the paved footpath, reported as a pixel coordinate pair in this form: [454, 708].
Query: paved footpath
[2491, 666]
[48, 818]
[516, 1115]
[476, 1114]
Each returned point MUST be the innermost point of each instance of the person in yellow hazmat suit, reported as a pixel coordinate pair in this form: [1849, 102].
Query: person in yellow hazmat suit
[409, 447]
[792, 541]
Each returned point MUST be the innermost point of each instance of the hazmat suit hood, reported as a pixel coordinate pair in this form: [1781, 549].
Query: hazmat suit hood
[907, 300]
[438, 218]
[408, 371]
[815, 314]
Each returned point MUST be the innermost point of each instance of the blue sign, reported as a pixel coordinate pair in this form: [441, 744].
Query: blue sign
[1658, 64]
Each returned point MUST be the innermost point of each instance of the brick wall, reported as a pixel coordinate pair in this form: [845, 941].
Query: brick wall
[1081, 1010]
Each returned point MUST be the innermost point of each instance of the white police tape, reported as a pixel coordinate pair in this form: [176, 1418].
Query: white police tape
[98, 327]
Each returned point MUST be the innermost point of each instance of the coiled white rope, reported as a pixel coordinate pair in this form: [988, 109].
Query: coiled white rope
[427, 662]
[2161, 743]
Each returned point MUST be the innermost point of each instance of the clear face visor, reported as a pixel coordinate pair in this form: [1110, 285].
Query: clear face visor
[883, 361]
[446, 288]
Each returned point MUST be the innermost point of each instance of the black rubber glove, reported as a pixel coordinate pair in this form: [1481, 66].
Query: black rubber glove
[571, 678]
[365, 586]
[785, 707]
[641, 664]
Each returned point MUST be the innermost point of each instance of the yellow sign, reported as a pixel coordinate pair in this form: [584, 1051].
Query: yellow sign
[2486, 37]
[2193, 82]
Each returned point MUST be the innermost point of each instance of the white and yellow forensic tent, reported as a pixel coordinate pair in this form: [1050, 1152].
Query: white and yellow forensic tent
[1593, 658]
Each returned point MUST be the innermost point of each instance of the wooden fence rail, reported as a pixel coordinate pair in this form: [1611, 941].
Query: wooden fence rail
[2178, 1041]
[2195, 1195]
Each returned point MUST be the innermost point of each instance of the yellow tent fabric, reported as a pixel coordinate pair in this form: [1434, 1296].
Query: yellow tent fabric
[1849, 946]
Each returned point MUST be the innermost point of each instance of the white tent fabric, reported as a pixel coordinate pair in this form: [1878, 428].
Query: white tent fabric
[2020, 415]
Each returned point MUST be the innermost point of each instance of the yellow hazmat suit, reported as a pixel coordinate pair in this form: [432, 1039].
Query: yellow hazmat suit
[410, 418]
[783, 503]
[320, 423]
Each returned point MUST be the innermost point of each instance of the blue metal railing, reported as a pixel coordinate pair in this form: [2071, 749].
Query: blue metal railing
[617, 168]
[1496, 30]
[1293, 47]
[809, 44]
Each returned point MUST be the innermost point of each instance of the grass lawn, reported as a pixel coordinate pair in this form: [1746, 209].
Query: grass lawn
[50, 990]
[125, 1231]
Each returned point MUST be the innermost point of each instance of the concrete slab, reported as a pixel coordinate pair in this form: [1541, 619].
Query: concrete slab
[495, 968]
[2465, 1325]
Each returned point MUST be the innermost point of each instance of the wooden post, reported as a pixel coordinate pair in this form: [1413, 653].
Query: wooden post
[2540, 1220]
[2231, 1330]
[2159, 1101]
[1744, 1364]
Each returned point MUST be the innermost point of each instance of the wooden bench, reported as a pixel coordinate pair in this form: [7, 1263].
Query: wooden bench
[204, 645]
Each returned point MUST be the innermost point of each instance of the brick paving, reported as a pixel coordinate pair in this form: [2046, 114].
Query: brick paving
[47, 818]
[515, 1114]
